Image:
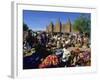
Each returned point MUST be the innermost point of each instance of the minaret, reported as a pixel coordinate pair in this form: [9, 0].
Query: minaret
[51, 27]
[69, 25]
[47, 29]
[58, 26]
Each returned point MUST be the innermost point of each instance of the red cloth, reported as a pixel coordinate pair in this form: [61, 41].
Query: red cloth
[51, 60]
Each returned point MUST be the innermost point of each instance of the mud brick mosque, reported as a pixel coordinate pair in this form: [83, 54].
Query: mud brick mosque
[60, 27]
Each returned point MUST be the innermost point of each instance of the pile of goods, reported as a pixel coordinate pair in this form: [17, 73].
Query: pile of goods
[82, 58]
[49, 61]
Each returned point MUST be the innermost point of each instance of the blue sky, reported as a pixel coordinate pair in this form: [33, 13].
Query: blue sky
[38, 20]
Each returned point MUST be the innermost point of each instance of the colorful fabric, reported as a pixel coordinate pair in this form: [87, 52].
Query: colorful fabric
[51, 60]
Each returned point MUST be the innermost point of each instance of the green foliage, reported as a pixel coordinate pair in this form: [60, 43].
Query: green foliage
[25, 27]
[82, 24]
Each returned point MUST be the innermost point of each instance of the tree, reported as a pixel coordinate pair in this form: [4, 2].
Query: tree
[25, 27]
[82, 24]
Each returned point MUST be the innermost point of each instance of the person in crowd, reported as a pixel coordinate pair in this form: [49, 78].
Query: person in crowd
[29, 39]
[43, 39]
[65, 56]
[85, 41]
[61, 45]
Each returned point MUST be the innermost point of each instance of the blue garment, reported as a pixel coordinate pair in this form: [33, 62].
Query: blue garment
[59, 52]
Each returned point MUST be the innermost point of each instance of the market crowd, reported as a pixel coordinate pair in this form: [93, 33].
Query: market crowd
[51, 50]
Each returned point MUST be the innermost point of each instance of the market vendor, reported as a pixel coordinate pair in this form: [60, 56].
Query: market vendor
[66, 54]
